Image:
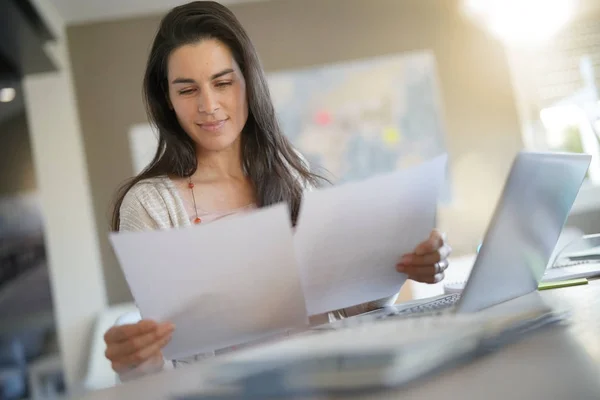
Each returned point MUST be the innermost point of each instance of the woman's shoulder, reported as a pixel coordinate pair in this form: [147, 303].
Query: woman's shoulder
[148, 189]
[153, 201]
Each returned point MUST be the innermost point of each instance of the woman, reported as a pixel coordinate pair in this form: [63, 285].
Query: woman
[220, 152]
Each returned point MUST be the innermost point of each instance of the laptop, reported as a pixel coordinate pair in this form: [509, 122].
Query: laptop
[534, 205]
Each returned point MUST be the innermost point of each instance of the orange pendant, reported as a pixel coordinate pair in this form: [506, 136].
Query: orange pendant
[197, 220]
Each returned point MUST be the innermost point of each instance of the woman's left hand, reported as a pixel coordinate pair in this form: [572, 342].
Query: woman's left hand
[428, 261]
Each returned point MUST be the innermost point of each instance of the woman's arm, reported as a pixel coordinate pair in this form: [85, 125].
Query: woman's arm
[135, 217]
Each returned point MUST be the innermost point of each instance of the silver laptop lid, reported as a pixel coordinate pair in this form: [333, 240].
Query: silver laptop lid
[534, 205]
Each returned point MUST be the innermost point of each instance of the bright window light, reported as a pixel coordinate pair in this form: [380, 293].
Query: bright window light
[569, 128]
[7, 94]
[557, 120]
[521, 21]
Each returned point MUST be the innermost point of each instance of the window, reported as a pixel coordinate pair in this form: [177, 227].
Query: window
[557, 85]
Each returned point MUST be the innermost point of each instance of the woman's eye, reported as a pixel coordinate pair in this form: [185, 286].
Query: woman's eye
[223, 84]
[186, 91]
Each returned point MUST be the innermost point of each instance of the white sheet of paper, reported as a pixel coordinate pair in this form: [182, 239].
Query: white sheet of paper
[349, 238]
[225, 283]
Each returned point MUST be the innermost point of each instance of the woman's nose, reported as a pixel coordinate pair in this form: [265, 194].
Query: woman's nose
[207, 102]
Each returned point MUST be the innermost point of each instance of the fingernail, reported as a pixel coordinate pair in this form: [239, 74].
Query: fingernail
[406, 259]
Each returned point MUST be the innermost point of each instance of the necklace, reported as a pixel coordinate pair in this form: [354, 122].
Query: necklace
[197, 220]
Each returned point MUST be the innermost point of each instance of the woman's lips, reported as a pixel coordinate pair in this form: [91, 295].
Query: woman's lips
[212, 126]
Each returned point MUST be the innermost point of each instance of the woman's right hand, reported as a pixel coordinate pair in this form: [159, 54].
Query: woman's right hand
[128, 346]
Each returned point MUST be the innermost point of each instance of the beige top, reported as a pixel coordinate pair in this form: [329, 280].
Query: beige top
[155, 204]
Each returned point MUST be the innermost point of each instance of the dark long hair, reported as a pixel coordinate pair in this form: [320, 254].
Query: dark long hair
[275, 169]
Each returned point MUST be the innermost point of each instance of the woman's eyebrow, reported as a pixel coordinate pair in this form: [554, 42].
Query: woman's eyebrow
[214, 76]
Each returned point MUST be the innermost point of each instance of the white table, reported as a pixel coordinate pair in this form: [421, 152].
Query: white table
[561, 362]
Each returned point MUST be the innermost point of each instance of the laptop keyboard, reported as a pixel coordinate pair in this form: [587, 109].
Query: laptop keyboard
[426, 307]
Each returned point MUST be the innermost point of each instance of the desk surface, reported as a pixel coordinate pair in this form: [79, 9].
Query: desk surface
[561, 362]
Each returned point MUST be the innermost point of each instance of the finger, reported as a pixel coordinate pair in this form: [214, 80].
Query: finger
[122, 367]
[427, 278]
[146, 353]
[435, 241]
[115, 350]
[122, 349]
[427, 259]
[123, 332]
[430, 269]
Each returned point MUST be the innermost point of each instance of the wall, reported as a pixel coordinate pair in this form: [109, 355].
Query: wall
[16, 164]
[78, 288]
[483, 129]
[588, 222]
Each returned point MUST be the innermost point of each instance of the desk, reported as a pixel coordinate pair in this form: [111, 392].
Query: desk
[585, 326]
[562, 362]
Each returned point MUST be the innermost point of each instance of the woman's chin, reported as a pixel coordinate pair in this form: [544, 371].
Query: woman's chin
[217, 143]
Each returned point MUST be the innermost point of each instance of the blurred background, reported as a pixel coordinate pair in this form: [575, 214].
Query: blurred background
[360, 87]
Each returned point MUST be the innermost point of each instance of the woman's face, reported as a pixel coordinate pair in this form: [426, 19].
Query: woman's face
[208, 93]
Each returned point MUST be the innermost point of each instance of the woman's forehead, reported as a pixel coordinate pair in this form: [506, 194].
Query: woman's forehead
[200, 60]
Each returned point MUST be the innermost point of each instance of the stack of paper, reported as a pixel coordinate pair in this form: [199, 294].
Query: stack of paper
[248, 277]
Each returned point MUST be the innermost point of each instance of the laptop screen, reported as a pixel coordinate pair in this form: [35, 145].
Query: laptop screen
[537, 197]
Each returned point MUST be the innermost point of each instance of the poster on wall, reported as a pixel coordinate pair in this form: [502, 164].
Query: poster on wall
[365, 117]
[351, 120]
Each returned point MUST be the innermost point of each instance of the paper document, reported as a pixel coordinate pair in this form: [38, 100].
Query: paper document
[225, 283]
[349, 238]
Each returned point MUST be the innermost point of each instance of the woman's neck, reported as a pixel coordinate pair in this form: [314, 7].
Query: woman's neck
[218, 165]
